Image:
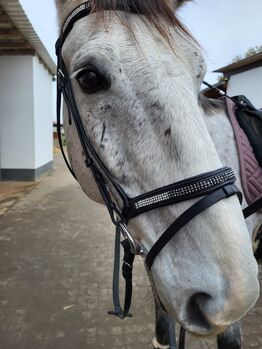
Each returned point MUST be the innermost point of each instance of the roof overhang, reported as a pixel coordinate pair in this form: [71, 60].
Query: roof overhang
[242, 65]
[213, 92]
[17, 36]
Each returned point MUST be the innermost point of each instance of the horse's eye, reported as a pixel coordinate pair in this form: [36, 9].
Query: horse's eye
[91, 81]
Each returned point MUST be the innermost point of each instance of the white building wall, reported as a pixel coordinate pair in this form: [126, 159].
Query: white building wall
[43, 110]
[26, 127]
[248, 83]
[16, 113]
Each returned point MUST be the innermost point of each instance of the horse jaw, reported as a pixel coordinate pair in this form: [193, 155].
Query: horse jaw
[148, 130]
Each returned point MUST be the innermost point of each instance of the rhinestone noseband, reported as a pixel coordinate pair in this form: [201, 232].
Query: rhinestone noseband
[180, 191]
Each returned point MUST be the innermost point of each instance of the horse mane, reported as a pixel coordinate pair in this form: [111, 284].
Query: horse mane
[156, 12]
[211, 106]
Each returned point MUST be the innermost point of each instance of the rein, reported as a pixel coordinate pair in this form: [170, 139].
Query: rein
[212, 187]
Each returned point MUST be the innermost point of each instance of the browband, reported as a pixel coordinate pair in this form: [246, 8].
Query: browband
[84, 10]
[78, 13]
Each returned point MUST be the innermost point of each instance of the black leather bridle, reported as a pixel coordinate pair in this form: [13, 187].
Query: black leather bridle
[211, 187]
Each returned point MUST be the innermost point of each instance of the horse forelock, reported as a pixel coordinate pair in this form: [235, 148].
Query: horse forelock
[159, 13]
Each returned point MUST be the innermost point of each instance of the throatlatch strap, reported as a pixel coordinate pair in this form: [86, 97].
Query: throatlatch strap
[127, 269]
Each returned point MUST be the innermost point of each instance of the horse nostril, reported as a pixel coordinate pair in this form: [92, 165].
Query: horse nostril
[195, 310]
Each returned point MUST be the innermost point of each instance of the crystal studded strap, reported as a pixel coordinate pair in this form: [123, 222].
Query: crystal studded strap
[81, 11]
[84, 10]
[180, 191]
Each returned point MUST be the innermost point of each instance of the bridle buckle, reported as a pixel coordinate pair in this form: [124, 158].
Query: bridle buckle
[135, 248]
[118, 220]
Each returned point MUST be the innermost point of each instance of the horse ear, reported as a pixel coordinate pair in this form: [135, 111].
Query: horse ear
[60, 4]
[64, 7]
[176, 3]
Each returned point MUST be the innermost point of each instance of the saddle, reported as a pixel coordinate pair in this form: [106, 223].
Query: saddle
[246, 121]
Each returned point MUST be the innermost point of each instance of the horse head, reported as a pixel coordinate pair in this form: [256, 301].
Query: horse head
[136, 79]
